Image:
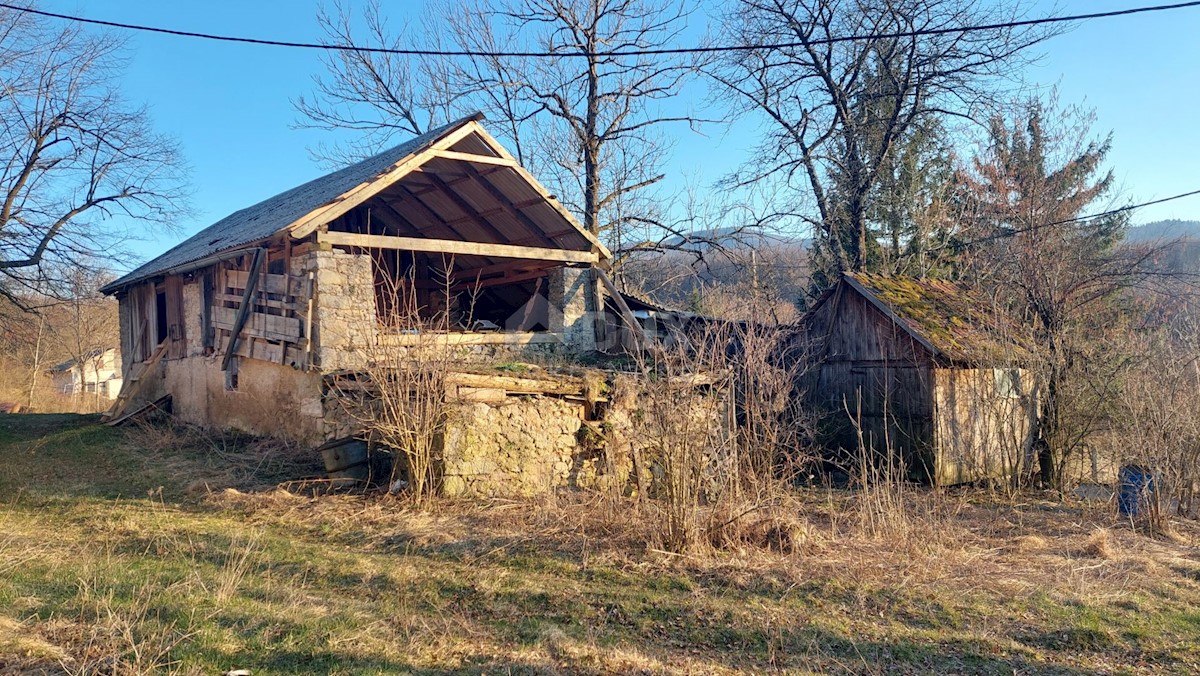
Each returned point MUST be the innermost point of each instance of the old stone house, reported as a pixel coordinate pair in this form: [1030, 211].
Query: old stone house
[96, 374]
[919, 372]
[241, 322]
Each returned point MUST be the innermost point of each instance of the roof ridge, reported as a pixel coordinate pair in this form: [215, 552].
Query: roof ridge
[273, 214]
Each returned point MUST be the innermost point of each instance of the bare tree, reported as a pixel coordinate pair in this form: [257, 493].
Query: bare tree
[84, 327]
[584, 120]
[387, 97]
[836, 110]
[1040, 170]
[76, 162]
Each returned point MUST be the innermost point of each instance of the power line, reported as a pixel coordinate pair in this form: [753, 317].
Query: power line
[1079, 219]
[579, 53]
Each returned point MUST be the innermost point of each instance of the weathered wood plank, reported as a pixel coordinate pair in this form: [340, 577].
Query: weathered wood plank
[296, 306]
[456, 247]
[271, 327]
[277, 284]
[514, 384]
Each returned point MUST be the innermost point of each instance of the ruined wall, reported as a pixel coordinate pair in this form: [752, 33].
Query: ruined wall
[530, 445]
[652, 425]
[523, 446]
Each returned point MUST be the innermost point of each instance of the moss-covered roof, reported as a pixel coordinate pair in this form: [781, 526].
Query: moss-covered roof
[959, 325]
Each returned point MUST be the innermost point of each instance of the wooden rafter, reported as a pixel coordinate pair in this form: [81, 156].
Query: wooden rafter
[447, 246]
[427, 211]
[541, 190]
[468, 208]
[509, 206]
[471, 283]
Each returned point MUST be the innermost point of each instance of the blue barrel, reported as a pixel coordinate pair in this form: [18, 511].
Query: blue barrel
[1135, 485]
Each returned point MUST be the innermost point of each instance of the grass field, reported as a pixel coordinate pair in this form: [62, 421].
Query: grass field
[154, 552]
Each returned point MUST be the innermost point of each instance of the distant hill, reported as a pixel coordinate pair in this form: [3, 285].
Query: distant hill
[1177, 243]
[1164, 231]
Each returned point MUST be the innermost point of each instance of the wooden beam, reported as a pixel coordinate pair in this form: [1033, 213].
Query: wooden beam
[508, 205]
[308, 223]
[623, 308]
[477, 159]
[244, 311]
[454, 247]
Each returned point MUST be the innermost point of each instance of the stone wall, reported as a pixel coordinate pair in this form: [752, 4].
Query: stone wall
[344, 316]
[526, 445]
[530, 445]
[645, 421]
[572, 313]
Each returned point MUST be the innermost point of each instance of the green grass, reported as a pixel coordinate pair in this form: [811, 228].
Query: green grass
[118, 551]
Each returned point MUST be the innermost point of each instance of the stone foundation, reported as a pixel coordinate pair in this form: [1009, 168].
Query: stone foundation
[525, 445]
[524, 442]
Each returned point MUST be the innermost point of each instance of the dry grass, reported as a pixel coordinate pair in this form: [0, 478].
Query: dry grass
[277, 582]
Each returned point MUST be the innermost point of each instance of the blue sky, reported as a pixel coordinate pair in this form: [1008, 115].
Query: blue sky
[230, 105]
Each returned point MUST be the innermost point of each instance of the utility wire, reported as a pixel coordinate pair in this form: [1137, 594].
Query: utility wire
[581, 53]
[1079, 219]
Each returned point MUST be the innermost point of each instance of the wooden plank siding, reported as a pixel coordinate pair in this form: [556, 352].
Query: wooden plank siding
[872, 379]
[276, 325]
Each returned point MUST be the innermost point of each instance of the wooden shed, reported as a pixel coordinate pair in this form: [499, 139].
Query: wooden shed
[924, 373]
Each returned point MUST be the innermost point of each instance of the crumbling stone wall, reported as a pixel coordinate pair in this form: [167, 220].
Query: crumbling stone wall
[639, 430]
[525, 445]
[499, 443]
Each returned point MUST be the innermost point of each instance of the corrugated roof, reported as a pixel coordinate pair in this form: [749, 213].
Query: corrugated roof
[268, 217]
[955, 322]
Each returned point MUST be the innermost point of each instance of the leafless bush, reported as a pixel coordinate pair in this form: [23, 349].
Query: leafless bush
[400, 396]
[1157, 424]
[774, 428]
[722, 419]
[683, 431]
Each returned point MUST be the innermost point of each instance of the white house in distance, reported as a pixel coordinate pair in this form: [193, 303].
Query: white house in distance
[97, 373]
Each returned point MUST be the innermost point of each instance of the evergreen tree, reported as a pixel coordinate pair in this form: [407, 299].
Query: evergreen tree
[1040, 171]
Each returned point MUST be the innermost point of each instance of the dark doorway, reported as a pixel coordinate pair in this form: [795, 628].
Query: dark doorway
[160, 315]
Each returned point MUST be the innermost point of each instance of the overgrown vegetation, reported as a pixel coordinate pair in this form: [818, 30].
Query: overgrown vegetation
[114, 560]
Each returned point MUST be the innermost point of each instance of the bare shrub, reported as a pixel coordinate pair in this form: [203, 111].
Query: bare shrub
[683, 426]
[399, 395]
[1157, 424]
[722, 419]
[774, 429]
